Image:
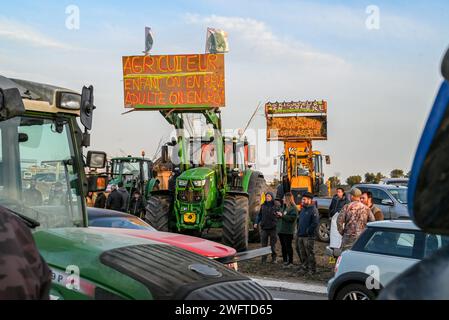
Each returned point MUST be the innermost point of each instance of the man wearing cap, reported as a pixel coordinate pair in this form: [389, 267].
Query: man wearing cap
[308, 221]
[353, 219]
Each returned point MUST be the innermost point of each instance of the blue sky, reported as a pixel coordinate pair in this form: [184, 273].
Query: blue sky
[379, 83]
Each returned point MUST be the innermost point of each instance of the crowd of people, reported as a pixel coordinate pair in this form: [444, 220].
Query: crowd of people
[280, 218]
[119, 200]
[277, 219]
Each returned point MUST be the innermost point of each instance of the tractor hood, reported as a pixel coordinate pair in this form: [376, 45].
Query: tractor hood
[82, 247]
[200, 246]
[196, 174]
[115, 265]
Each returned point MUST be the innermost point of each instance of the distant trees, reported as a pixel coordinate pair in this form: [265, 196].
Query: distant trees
[352, 180]
[397, 173]
[373, 178]
[334, 181]
[370, 177]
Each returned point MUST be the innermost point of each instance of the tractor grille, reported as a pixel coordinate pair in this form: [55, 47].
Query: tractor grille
[190, 196]
[238, 290]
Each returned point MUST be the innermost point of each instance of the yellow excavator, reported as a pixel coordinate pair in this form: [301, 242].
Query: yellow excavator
[298, 124]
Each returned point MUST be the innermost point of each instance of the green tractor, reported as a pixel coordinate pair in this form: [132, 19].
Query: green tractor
[38, 126]
[134, 172]
[211, 184]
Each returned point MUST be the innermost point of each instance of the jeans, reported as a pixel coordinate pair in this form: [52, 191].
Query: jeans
[305, 248]
[287, 248]
[264, 235]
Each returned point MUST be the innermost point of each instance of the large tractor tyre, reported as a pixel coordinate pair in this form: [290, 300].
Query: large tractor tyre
[235, 222]
[257, 187]
[158, 211]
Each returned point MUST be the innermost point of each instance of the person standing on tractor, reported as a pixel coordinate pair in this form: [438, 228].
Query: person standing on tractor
[137, 205]
[286, 226]
[125, 195]
[115, 200]
[308, 221]
[23, 272]
[32, 196]
[353, 219]
[338, 202]
[267, 219]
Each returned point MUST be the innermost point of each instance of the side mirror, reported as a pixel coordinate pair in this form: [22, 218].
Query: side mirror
[97, 183]
[328, 160]
[11, 104]
[87, 106]
[164, 154]
[428, 185]
[96, 159]
[387, 202]
[445, 66]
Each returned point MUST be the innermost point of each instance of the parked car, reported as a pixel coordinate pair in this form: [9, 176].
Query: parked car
[116, 222]
[383, 251]
[399, 182]
[391, 199]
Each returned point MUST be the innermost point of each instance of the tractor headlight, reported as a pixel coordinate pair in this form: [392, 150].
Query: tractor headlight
[199, 183]
[69, 100]
[183, 183]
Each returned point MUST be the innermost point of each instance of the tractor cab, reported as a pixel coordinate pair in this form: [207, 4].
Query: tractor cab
[134, 172]
[303, 168]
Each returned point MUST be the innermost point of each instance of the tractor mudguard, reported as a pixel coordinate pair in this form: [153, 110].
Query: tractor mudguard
[246, 178]
[236, 192]
[150, 186]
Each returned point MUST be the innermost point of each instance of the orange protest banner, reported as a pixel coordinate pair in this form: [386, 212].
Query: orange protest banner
[296, 128]
[174, 81]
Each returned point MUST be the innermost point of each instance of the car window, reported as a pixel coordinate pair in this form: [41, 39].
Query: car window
[120, 222]
[379, 195]
[434, 242]
[396, 243]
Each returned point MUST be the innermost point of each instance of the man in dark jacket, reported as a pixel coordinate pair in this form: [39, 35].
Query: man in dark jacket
[115, 200]
[125, 195]
[307, 223]
[137, 205]
[24, 275]
[267, 219]
[338, 202]
[100, 201]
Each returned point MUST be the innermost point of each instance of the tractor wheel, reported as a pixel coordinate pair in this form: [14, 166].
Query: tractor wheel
[158, 211]
[235, 222]
[257, 187]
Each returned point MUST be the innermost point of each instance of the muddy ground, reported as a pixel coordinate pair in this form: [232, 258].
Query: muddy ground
[254, 267]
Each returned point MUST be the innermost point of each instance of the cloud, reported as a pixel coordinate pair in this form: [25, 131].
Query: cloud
[255, 36]
[16, 31]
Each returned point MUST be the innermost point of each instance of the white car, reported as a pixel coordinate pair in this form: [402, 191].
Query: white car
[383, 251]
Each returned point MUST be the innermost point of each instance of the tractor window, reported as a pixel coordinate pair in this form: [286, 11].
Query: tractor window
[146, 171]
[37, 166]
[209, 155]
[131, 168]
